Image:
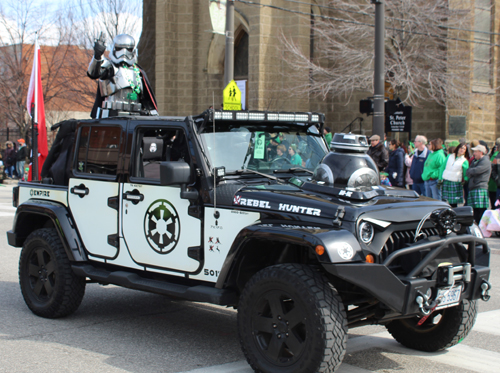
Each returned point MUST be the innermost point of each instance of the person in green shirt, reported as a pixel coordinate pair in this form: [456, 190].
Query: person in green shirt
[432, 169]
[327, 132]
[492, 185]
[272, 144]
[295, 159]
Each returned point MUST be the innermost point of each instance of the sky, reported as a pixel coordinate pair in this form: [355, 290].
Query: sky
[48, 9]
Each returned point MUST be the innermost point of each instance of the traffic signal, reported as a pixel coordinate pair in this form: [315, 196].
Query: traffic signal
[390, 106]
[366, 106]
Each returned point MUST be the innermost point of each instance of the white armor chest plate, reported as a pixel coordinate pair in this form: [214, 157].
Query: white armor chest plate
[121, 80]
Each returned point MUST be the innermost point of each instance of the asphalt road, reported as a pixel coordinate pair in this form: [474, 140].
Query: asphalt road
[121, 330]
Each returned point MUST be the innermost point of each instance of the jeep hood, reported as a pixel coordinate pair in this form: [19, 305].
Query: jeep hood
[388, 204]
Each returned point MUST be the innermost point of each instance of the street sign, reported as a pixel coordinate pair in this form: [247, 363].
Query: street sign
[400, 121]
[232, 97]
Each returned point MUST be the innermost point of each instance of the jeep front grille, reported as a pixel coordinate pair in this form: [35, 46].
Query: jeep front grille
[398, 240]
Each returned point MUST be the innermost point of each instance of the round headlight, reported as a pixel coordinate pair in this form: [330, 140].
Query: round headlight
[366, 232]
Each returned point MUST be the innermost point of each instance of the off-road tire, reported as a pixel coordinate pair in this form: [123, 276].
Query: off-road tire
[49, 286]
[291, 319]
[454, 325]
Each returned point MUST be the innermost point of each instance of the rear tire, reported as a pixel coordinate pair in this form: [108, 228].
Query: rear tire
[290, 319]
[48, 284]
[443, 329]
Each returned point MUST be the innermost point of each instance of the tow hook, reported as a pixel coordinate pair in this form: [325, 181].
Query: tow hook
[423, 303]
[485, 291]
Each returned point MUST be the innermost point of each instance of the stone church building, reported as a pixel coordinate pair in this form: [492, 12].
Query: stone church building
[185, 63]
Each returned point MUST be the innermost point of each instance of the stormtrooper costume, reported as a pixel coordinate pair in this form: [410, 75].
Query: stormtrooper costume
[123, 88]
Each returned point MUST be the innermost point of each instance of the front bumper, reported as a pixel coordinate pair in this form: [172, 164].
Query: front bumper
[399, 293]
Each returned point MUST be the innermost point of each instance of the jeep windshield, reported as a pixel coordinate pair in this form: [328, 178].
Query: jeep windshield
[264, 147]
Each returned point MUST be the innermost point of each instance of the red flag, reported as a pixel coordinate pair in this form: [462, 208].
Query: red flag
[35, 95]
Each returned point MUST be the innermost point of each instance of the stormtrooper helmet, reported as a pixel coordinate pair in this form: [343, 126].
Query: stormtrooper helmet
[123, 50]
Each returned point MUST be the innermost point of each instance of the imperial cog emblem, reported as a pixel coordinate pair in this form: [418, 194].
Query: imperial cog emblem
[162, 226]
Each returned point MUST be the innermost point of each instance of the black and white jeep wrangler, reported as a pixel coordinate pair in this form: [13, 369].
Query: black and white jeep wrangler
[250, 210]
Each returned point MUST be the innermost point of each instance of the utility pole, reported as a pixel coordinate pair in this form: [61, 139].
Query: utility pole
[229, 60]
[379, 73]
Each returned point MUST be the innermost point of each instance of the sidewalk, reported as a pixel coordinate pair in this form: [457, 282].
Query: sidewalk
[10, 181]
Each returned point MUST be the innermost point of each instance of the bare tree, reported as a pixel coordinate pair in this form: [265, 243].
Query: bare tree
[15, 23]
[66, 36]
[111, 17]
[425, 53]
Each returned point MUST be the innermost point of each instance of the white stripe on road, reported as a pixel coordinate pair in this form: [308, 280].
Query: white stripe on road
[487, 322]
[7, 206]
[6, 209]
[460, 356]
[237, 367]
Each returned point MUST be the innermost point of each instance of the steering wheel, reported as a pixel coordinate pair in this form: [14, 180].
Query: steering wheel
[281, 159]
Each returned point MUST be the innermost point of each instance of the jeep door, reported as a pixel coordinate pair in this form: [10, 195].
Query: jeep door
[93, 189]
[156, 226]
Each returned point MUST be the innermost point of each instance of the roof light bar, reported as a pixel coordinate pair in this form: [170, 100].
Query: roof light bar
[227, 115]
[286, 117]
[266, 116]
[242, 116]
[302, 117]
[272, 116]
[256, 116]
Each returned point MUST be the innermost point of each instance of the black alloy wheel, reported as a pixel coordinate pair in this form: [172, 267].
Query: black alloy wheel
[48, 284]
[291, 319]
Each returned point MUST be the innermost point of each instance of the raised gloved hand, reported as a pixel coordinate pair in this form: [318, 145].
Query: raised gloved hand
[99, 47]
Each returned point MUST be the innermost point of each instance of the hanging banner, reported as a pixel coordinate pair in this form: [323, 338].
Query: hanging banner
[242, 85]
[218, 16]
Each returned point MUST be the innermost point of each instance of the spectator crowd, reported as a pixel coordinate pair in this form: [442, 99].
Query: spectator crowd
[463, 173]
[13, 158]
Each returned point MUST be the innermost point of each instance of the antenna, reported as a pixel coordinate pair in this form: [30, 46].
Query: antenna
[216, 213]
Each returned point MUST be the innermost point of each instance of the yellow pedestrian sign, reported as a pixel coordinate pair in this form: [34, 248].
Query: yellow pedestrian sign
[232, 97]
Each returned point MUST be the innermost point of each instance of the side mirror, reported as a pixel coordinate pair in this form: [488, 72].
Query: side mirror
[178, 173]
[174, 173]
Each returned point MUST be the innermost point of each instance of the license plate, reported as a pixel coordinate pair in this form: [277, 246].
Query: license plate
[452, 298]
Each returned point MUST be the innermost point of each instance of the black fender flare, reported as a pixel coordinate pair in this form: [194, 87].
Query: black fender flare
[32, 212]
[330, 238]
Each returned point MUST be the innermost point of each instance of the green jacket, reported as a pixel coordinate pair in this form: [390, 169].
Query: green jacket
[492, 185]
[296, 160]
[433, 164]
[328, 138]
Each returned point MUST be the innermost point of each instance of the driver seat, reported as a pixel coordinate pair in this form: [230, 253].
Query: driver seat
[152, 148]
